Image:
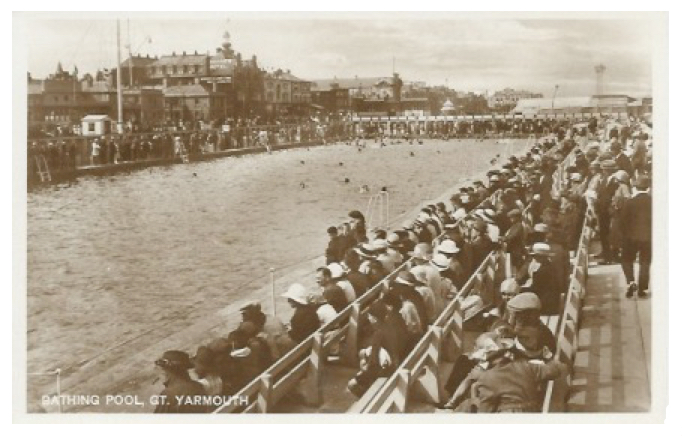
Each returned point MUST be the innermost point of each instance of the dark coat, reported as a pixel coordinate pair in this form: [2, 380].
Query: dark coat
[335, 297]
[480, 249]
[304, 323]
[546, 285]
[336, 249]
[359, 281]
[390, 335]
[176, 386]
[636, 218]
[623, 162]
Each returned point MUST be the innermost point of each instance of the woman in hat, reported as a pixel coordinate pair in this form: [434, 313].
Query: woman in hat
[178, 384]
[538, 275]
[304, 321]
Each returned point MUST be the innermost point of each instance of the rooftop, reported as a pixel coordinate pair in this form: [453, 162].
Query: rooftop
[353, 83]
[285, 76]
[138, 61]
[180, 60]
[186, 91]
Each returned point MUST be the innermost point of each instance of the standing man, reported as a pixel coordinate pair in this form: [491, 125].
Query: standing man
[607, 187]
[636, 228]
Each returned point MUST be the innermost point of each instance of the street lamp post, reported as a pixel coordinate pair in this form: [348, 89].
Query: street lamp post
[556, 88]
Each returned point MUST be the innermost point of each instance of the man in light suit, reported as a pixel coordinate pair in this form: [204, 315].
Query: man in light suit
[636, 228]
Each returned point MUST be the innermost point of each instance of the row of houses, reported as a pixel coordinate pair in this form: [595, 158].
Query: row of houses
[177, 87]
[210, 88]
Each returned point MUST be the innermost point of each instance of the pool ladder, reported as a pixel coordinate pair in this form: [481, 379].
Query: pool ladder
[43, 168]
[378, 205]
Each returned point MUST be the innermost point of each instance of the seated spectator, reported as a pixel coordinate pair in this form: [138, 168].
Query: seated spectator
[268, 328]
[304, 321]
[508, 290]
[539, 276]
[446, 289]
[332, 292]
[175, 365]
[427, 294]
[359, 280]
[422, 231]
[395, 248]
[387, 347]
[524, 310]
[455, 271]
[481, 244]
[206, 371]
[339, 278]
[380, 247]
[508, 383]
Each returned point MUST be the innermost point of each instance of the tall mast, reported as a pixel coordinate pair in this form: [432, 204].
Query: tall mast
[119, 91]
[130, 60]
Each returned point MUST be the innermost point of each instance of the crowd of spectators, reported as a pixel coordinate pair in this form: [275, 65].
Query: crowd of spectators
[514, 211]
[520, 210]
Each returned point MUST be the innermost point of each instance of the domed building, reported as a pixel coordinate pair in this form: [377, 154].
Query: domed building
[448, 108]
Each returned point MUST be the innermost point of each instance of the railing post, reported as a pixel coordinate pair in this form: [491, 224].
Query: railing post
[350, 353]
[402, 389]
[274, 298]
[312, 387]
[263, 398]
[58, 372]
[428, 384]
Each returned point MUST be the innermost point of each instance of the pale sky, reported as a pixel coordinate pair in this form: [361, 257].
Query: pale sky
[472, 55]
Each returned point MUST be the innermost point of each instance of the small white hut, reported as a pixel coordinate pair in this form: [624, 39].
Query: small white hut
[96, 125]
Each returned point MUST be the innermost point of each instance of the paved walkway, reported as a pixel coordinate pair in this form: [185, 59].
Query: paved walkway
[613, 364]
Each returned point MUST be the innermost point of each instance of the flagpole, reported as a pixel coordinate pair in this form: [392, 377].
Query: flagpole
[119, 91]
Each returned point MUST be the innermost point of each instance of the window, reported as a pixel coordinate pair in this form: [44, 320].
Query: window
[185, 69]
[66, 98]
[91, 127]
[196, 69]
[196, 101]
[175, 69]
[163, 69]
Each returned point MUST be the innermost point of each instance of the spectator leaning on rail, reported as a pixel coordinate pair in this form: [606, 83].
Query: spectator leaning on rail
[636, 229]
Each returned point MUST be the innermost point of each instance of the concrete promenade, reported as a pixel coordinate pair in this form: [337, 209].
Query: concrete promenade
[612, 369]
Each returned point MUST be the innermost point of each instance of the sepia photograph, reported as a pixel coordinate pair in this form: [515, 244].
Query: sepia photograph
[428, 214]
